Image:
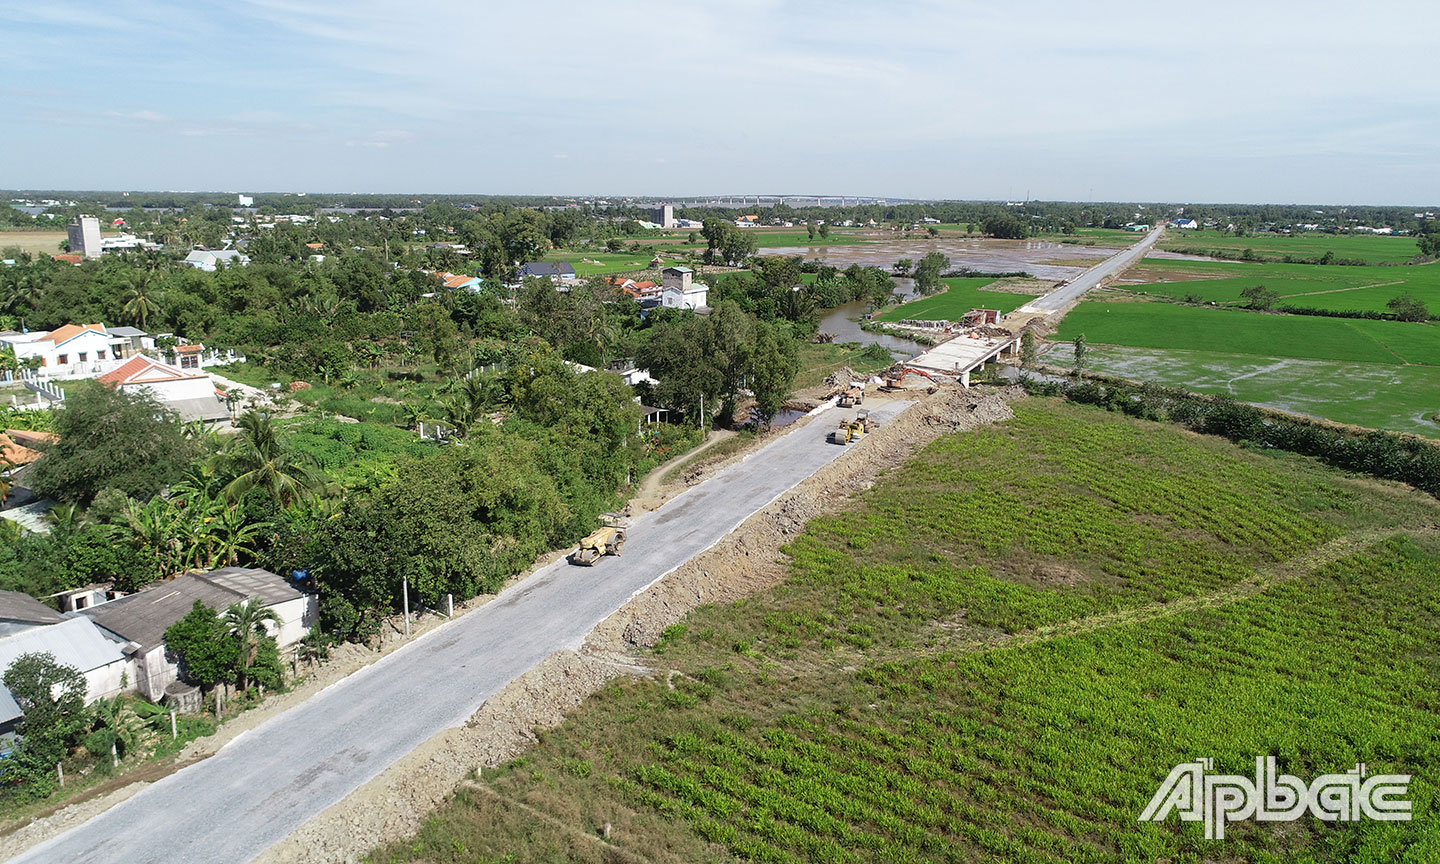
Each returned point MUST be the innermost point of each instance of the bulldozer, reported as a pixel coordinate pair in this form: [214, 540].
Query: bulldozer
[608, 540]
[852, 396]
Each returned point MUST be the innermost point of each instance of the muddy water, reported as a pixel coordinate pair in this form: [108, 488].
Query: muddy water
[844, 322]
[999, 256]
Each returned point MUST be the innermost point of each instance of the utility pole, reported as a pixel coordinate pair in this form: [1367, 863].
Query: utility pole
[405, 590]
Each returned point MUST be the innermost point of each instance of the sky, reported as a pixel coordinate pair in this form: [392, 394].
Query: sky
[1262, 101]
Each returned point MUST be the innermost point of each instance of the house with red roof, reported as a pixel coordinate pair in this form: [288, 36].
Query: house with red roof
[188, 392]
[72, 351]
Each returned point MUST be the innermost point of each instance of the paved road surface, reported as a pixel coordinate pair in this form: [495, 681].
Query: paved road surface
[1071, 291]
[270, 780]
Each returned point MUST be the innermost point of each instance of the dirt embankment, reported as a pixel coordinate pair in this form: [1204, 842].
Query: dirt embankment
[743, 563]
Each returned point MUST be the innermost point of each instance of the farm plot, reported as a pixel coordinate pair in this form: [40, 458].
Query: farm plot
[1377, 396]
[1193, 328]
[1376, 249]
[946, 678]
[1362, 289]
[960, 296]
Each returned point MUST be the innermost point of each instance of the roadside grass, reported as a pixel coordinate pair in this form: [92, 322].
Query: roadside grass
[817, 361]
[1374, 248]
[737, 443]
[997, 653]
[1232, 331]
[960, 296]
[155, 752]
[1376, 396]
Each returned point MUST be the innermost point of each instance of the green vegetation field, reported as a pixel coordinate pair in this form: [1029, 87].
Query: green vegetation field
[1376, 249]
[1163, 325]
[1374, 395]
[997, 653]
[960, 296]
[1114, 237]
[1340, 288]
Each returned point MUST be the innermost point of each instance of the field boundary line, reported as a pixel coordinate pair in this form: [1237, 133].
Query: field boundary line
[479, 785]
[1264, 579]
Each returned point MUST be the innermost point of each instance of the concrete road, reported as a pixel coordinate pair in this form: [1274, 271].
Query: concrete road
[270, 780]
[1071, 291]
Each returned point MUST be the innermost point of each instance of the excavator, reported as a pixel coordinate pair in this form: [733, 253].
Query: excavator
[892, 382]
[607, 540]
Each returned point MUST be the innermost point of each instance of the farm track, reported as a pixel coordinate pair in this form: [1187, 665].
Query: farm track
[1262, 581]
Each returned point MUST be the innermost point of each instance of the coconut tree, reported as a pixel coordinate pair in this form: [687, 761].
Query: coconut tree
[233, 536]
[5, 486]
[139, 304]
[257, 458]
[247, 621]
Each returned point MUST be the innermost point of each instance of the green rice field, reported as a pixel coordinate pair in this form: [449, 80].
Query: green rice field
[1374, 395]
[961, 294]
[1165, 325]
[1338, 288]
[1374, 248]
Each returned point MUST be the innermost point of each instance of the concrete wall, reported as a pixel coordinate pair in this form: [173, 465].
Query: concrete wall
[296, 618]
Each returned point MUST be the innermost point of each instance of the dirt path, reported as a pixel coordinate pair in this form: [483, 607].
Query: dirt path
[654, 491]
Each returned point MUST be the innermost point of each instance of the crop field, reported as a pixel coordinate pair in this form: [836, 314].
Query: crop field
[1377, 396]
[1192, 328]
[960, 296]
[606, 263]
[1339, 288]
[1374, 248]
[34, 242]
[1112, 237]
[997, 653]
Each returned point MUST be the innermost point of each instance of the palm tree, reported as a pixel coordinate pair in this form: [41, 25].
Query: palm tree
[139, 305]
[247, 621]
[155, 528]
[232, 536]
[25, 291]
[259, 459]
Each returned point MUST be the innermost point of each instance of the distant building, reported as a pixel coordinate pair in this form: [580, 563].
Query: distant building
[245, 200]
[556, 271]
[206, 259]
[1185, 224]
[663, 215]
[84, 237]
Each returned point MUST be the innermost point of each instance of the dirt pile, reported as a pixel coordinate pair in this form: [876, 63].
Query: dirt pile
[843, 377]
[748, 559]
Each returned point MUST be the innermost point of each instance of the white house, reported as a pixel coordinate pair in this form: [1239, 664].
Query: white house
[1185, 224]
[679, 292]
[139, 620]
[72, 351]
[206, 259]
[75, 642]
[188, 392]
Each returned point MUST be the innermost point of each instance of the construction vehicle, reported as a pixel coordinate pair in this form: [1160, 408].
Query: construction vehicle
[892, 382]
[608, 540]
[850, 431]
[852, 396]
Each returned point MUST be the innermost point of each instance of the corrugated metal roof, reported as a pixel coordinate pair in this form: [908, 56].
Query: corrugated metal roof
[144, 616]
[17, 606]
[75, 641]
[252, 582]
